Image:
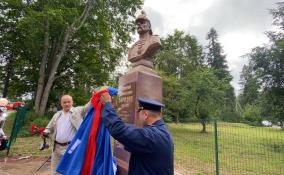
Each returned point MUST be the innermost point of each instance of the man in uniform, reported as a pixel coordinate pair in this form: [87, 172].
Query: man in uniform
[151, 147]
[63, 126]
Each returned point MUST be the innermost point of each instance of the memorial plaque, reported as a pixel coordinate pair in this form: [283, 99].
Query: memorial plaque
[126, 100]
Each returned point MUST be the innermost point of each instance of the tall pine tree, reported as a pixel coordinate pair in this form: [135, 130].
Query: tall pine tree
[216, 59]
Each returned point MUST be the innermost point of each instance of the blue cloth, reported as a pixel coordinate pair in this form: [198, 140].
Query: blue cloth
[151, 147]
[104, 163]
[73, 159]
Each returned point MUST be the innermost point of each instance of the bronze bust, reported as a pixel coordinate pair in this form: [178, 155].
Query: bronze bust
[142, 51]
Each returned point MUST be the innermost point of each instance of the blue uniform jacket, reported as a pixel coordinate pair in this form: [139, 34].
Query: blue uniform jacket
[151, 147]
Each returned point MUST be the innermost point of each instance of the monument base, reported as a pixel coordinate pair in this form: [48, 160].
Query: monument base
[141, 82]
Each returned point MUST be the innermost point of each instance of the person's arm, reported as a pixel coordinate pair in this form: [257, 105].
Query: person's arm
[84, 109]
[49, 129]
[134, 139]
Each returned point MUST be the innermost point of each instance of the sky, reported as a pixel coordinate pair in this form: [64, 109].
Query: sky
[241, 24]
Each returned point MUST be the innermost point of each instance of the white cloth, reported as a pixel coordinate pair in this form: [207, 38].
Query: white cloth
[2, 134]
[65, 130]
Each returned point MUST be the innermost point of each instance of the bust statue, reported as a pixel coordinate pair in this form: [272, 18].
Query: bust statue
[142, 51]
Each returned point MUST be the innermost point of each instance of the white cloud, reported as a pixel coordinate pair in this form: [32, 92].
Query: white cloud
[237, 44]
[176, 15]
[240, 23]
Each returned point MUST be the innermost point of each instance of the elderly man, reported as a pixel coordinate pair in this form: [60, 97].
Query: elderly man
[63, 126]
[151, 147]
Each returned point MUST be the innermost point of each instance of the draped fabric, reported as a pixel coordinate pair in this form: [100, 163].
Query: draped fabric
[89, 153]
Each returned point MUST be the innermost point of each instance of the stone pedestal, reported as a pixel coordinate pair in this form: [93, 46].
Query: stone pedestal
[139, 82]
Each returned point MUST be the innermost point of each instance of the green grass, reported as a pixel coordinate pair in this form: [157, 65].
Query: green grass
[243, 149]
[24, 146]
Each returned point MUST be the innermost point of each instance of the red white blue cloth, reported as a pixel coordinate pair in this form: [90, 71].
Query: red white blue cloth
[89, 153]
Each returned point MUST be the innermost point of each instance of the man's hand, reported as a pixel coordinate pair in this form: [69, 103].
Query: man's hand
[44, 135]
[105, 97]
[93, 92]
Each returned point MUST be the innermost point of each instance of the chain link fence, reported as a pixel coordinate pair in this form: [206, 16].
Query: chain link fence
[228, 149]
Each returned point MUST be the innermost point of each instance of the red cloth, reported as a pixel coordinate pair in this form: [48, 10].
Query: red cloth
[36, 130]
[40, 130]
[92, 146]
[33, 127]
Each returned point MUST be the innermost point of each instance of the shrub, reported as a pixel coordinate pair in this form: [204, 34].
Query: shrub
[252, 114]
[231, 116]
[32, 118]
[41, 121]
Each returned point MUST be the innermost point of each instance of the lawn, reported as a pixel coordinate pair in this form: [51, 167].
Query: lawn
[24, 146]
[243, 149]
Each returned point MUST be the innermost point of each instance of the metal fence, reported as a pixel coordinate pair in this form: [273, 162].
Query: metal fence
[228, 149]
[17, 125]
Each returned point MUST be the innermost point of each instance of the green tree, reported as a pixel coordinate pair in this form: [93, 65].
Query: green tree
[252, 114]
[216, 59]
[180, 55]
[204, 95]
[9, 42]
[72, 45]
[174, 98]
[268, 65]
[250, 86]
[191, 91]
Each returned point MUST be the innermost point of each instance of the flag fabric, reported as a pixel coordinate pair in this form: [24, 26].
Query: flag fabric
[89, 153]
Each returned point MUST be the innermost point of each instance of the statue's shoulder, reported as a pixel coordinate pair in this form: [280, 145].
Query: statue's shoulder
[133, 45]
[155, 38]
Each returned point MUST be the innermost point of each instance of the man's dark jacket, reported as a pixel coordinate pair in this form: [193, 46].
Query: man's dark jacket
[151, 147]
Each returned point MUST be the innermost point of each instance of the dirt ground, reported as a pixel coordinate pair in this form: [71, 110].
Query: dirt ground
[28, 166]
[24, 166]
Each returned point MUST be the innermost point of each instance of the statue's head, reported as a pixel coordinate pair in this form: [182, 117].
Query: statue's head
[143, 24]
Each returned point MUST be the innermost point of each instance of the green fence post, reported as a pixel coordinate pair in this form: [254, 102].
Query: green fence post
[17, 126]
[216, 147]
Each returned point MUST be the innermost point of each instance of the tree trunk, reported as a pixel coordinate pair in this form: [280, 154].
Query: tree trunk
[9, 72]
[42, 69]
[77, 24]
[177, 119]
[203, 123]
[53, 72]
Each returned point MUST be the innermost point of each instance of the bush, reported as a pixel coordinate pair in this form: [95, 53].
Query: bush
[167, 118]
[252, 115]
[32, 118]
[231, 116]
[41, 122]
[24, 132]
